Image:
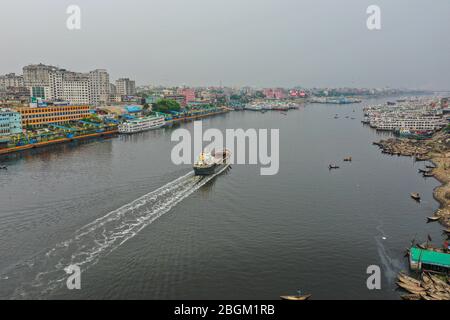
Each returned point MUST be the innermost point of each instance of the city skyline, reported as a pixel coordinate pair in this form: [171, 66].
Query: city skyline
[260, 44]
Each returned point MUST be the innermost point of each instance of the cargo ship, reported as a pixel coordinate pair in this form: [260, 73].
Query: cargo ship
[142, 124]
[211, 163]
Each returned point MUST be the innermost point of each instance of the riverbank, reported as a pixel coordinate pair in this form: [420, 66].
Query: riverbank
[98, 134]
[436, 150]
[442, 193]
[56, 141]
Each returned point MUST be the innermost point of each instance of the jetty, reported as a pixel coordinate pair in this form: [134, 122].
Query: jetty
[56, 141]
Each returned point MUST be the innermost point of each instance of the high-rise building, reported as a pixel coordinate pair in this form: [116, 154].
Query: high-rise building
[55, 84]
[112, 89]
[99, 87]
[76, 88]
[37, 75]
[125, 87]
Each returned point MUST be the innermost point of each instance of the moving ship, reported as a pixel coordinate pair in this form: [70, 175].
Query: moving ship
[211, 163]
[142, 124]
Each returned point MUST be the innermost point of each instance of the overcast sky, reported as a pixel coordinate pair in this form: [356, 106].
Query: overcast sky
[236, 42]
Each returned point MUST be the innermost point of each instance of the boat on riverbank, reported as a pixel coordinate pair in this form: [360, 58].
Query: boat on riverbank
[211, 163]
[142, 124]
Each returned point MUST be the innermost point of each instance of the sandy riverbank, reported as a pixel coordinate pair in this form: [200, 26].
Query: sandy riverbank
[436, 150]
[442, 193]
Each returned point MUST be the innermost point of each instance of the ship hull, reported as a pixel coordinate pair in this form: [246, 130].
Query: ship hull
[207, 171]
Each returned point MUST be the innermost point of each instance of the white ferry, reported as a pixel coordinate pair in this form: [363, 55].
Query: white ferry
[142, 124]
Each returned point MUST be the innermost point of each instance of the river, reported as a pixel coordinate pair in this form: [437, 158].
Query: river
[141, 227]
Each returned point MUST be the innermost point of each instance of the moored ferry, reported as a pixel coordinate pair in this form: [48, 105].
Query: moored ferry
[142, 124]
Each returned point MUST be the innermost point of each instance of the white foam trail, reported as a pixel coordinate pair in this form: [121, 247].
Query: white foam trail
[103, 236]
[391, 266]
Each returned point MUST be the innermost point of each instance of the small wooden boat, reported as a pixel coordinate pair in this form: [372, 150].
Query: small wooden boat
[422, 246]
[430, 167]
[349, 159]
[296, 298]
[426, 278]
[410, 288]
[438, 281]
[411, 297]
[428, 175]
[433, 219]
[425, 296]
[424, 171]
[333, 166]
[407, 279]
[415, 196]
[436, 296]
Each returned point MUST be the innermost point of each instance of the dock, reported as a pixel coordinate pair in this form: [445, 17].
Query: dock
[56, 141]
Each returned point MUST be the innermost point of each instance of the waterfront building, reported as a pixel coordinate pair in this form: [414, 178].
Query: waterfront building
[36, 117]
[10, 122]
[125, 87]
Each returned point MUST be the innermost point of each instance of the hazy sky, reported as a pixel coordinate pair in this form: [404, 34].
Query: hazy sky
[236, 42]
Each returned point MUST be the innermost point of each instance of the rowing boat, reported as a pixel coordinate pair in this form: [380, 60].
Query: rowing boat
[410, 288]
[296, 298]
[433, 219]
[411, 297]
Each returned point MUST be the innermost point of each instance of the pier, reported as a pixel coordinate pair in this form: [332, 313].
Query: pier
[56, 141]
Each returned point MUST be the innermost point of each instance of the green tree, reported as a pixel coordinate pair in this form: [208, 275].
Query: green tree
[166, 105]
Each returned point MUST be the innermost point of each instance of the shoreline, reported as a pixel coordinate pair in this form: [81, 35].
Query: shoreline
[442, 193]
[17, 149]
[434, 150]
[6, 151]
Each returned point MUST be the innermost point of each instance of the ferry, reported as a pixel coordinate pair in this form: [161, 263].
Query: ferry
[142, 124]
[211, 163]
[253, 107]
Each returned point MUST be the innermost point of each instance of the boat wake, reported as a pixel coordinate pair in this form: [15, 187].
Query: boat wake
[391, 266]
[45, 273]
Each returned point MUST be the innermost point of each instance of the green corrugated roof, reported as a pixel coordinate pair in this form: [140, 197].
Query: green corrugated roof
[430, 257]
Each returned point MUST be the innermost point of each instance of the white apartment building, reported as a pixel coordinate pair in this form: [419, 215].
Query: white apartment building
[125, 87]
[60, 84]
[76, 88]
[99, 87]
